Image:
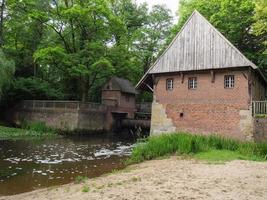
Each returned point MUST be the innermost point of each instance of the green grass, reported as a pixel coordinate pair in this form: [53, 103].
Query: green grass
[7, 132]
[188, 144]
[81, 179]
[261, 116]
[220, 156]
[85, 188]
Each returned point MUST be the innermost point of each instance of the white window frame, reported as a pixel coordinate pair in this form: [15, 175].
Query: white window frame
[192, 83]
[169, 84]
[229, 81]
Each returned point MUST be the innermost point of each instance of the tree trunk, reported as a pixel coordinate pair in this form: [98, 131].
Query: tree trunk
[85, 88]
[2, 22]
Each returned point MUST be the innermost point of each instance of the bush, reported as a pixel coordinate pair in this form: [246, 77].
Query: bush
[36, 126]
[184, 143]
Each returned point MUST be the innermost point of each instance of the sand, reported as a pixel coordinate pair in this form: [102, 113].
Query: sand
[172, 178]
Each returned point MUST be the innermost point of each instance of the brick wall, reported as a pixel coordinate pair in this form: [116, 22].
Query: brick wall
[208, 109]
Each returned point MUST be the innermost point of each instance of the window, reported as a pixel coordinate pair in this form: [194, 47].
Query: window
[229, 81]
[169, 84]
[127, 98]
[192, 83]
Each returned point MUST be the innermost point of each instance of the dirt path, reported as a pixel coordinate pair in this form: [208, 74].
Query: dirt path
[168, 179]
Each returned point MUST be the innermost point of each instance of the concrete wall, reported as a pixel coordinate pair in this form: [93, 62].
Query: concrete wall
[57, 119]
[210, 108]
[67, 120]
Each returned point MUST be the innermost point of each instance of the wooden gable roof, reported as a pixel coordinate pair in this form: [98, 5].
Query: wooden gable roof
[198, 46]
[120, 84]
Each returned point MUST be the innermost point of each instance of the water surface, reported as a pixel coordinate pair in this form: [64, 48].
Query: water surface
[26, 165]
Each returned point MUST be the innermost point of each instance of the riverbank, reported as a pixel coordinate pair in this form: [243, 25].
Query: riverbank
[172, 178]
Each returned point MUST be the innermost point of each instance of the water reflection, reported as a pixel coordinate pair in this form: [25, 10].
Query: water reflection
[26, 165]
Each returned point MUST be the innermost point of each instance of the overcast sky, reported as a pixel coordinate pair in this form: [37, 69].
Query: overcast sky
[171, 4]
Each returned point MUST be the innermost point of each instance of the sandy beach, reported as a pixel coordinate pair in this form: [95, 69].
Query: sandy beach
[172, 178]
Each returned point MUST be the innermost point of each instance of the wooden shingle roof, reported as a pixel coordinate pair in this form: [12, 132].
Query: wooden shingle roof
[198, 46]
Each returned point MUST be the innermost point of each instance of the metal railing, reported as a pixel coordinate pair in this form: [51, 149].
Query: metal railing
[66, 105]
[259, 108]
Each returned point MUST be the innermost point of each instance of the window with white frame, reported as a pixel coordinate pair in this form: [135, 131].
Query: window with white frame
[229, 81]
[169, 84]
[192, 83]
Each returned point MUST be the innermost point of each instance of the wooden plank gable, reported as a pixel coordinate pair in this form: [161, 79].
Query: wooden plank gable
[199, 46]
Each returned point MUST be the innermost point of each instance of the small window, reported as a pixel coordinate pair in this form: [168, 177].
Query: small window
[169, 84]
[192, 83]
[127, 98]
[229, 81]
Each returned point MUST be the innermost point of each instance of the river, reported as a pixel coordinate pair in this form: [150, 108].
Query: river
[28, 164]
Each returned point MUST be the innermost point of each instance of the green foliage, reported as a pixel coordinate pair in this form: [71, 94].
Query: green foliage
[183, 143]
[219, 156]
[260, 25]
[7, 69]
[85, 188]
[7, 132]
[33, 88]
[76, 45]
[36, 127]
[80, 179]
[260, 116]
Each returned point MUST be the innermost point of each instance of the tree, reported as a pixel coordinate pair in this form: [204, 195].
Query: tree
[75, 45]
[7, 69]
[82, 31]
[153, 35]
[2, 17]
[260, 28]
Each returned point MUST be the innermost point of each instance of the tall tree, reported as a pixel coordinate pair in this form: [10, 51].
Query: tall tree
[7, 68]
[260, 29]
[2, 17]
[154, 33]
[82, 32]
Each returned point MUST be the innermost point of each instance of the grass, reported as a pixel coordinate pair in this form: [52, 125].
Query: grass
[33, 130]
[220, 156]
[37, 127]
[261, 116]
[85, 188]
[80, 179]
[188, 144]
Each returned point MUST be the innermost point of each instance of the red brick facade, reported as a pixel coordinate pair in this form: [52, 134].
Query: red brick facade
[210, 108]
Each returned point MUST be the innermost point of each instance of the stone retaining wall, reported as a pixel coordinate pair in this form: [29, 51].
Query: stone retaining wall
[260, 129]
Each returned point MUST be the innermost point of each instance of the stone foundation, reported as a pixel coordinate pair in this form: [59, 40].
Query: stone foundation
[260, 129]
[160, 123]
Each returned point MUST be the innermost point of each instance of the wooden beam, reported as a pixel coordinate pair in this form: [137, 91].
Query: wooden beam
[149, 87]
[245, 76]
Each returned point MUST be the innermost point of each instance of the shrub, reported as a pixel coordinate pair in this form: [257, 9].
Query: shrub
[36, 126]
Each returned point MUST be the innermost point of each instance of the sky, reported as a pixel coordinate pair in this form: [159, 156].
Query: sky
[171, 4]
